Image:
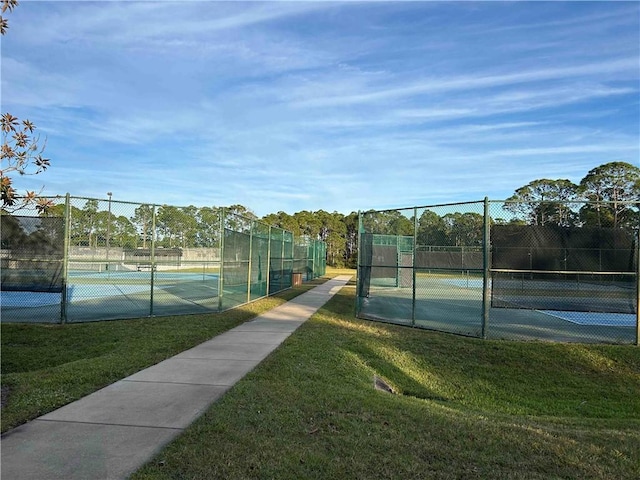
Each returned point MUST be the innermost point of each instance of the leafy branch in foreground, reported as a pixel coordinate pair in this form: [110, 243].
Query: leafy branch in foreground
[6, 5]
[21, 151]
[22, 154]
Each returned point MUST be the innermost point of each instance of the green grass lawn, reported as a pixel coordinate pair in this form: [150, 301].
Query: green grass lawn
[462, 408]
[47, 366]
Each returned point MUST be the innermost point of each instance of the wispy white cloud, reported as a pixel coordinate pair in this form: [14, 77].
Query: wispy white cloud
[133, 22]
[472, 106]
[626, 68]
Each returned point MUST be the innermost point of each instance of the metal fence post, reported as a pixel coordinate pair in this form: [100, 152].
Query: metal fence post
[221, 269]
[358, 265]
[282, 265]
[65, 258]
[152, 258]
[269, 262]
[250, 262]
[413, 266]
[638, 286]
[486, 265]
[108, 229]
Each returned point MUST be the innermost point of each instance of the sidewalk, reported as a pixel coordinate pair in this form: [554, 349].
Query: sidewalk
[114, 431]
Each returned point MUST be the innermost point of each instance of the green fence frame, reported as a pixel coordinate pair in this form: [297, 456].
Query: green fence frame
[379, 298]
[243, 259]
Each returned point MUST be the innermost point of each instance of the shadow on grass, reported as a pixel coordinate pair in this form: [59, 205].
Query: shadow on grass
[47, 366]
[521, 378]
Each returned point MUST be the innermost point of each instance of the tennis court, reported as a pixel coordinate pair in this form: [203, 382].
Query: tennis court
[104, 260]
[454, 303]
[116, 294]
[503, 270]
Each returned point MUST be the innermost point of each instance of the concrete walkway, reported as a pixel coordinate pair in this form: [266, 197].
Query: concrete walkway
[114, 431]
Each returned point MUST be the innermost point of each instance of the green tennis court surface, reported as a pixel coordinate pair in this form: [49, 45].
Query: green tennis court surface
[454, 304]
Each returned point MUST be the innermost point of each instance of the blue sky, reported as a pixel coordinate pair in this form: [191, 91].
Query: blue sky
[289, 106]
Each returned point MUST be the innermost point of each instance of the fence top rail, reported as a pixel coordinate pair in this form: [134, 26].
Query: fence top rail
[472, 202]
[563, 272]
[577, 202]
[125, 202]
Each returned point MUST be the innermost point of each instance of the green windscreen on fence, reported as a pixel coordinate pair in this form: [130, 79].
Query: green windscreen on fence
[309, 258]
[500, 269]
[259, 260]
[553, 267]
[382, 258]
[281, 264]
[288, 245]
[235, 270]
[319, 258]
[90, 259]
[32, 253]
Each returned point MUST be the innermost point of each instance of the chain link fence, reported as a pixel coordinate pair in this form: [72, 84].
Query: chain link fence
[507, 270]
[94, 259]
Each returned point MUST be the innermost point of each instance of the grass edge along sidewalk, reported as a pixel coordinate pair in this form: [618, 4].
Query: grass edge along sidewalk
[460, 408]
[47, 366]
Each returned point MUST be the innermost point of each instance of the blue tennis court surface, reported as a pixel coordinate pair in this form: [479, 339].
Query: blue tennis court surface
[592, 318]
[29, 299]
[74, 292]
[465, 282]
[88, 291]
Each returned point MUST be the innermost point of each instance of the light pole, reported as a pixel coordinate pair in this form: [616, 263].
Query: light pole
[108, 227]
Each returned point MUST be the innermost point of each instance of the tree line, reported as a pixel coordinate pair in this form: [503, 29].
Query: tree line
[608, 189]
[607, 197]
[194, 227]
